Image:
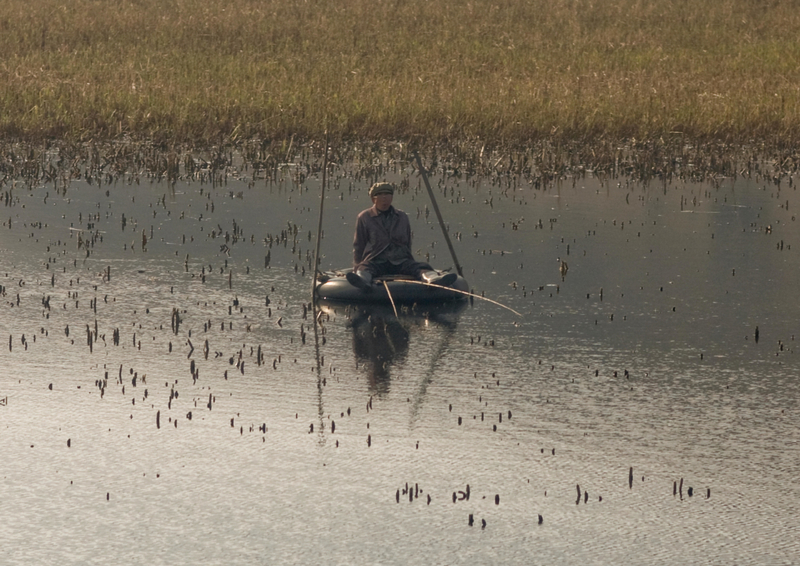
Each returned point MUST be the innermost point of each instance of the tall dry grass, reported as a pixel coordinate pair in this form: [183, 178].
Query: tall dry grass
[505, 71]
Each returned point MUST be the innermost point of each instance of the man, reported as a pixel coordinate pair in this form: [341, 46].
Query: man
[382, 244]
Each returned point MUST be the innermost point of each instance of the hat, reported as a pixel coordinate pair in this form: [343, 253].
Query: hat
[380, 189]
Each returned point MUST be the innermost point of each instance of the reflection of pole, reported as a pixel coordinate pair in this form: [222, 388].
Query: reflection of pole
[438, 214]
[314, 294]
[428, 378]
[319, 226]
[320, 406]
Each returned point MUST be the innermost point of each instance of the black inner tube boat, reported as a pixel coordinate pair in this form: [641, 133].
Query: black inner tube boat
[333, 286]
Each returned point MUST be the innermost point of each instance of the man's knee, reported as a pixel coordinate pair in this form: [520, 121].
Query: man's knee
[417, 268]
[367, 267]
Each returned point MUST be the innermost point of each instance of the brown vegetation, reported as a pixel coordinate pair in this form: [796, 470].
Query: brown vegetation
[503, 72]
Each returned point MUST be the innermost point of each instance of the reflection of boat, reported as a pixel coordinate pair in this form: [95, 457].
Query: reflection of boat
[333, 286]
[381, 339]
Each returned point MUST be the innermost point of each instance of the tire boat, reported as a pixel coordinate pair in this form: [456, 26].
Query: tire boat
[333, 286]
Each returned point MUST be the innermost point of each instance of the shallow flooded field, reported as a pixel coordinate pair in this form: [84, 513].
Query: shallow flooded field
[163, 399]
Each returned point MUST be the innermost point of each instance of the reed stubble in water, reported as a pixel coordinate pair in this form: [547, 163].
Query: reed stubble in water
[202, 71]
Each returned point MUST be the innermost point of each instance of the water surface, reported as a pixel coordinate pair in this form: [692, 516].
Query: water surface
[182, 446]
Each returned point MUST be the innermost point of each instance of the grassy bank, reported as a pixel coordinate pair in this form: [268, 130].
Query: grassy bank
[502, 71]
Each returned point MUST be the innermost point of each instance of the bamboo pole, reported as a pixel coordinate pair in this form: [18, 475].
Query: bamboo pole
[438, 214]
[388, 292]
[450, 289]
[319, 225]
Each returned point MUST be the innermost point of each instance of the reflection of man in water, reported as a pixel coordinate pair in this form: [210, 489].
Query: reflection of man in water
[380, 341]
[382, 244]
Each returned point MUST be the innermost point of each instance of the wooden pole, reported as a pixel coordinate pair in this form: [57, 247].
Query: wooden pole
[438, 214]
[388, 292]
[319, 358]
[319, 226]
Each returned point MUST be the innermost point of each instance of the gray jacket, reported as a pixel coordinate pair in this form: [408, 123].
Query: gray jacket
[371, 238]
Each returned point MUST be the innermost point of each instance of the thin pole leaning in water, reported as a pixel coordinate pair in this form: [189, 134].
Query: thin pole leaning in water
[438, 214]
[315, 310]
[388, 292]
[319, 226]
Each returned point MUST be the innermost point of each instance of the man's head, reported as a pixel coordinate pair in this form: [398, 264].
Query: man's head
[381, 195]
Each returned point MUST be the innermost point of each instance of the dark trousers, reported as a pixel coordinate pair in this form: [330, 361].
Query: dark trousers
[409, 267]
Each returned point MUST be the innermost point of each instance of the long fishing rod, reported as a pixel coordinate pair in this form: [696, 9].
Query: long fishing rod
[415, 282]
[438, 214]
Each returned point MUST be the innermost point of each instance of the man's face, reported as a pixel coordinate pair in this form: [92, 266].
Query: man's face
[382, 201]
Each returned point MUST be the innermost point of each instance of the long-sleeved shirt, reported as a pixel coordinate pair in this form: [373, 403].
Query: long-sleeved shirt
[382, 236]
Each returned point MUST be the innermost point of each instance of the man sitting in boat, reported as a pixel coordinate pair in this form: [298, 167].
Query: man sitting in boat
[382, 244]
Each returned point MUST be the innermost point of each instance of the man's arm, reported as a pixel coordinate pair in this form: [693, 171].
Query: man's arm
[359, 242]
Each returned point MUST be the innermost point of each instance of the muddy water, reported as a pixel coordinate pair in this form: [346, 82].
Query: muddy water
[633, 377]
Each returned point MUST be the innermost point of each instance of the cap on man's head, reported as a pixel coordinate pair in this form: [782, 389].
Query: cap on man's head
[381, 189]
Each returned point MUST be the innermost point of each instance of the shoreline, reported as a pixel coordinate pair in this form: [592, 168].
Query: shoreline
[542, 163]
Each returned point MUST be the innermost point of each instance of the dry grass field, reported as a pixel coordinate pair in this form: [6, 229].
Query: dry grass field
[507, 72]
